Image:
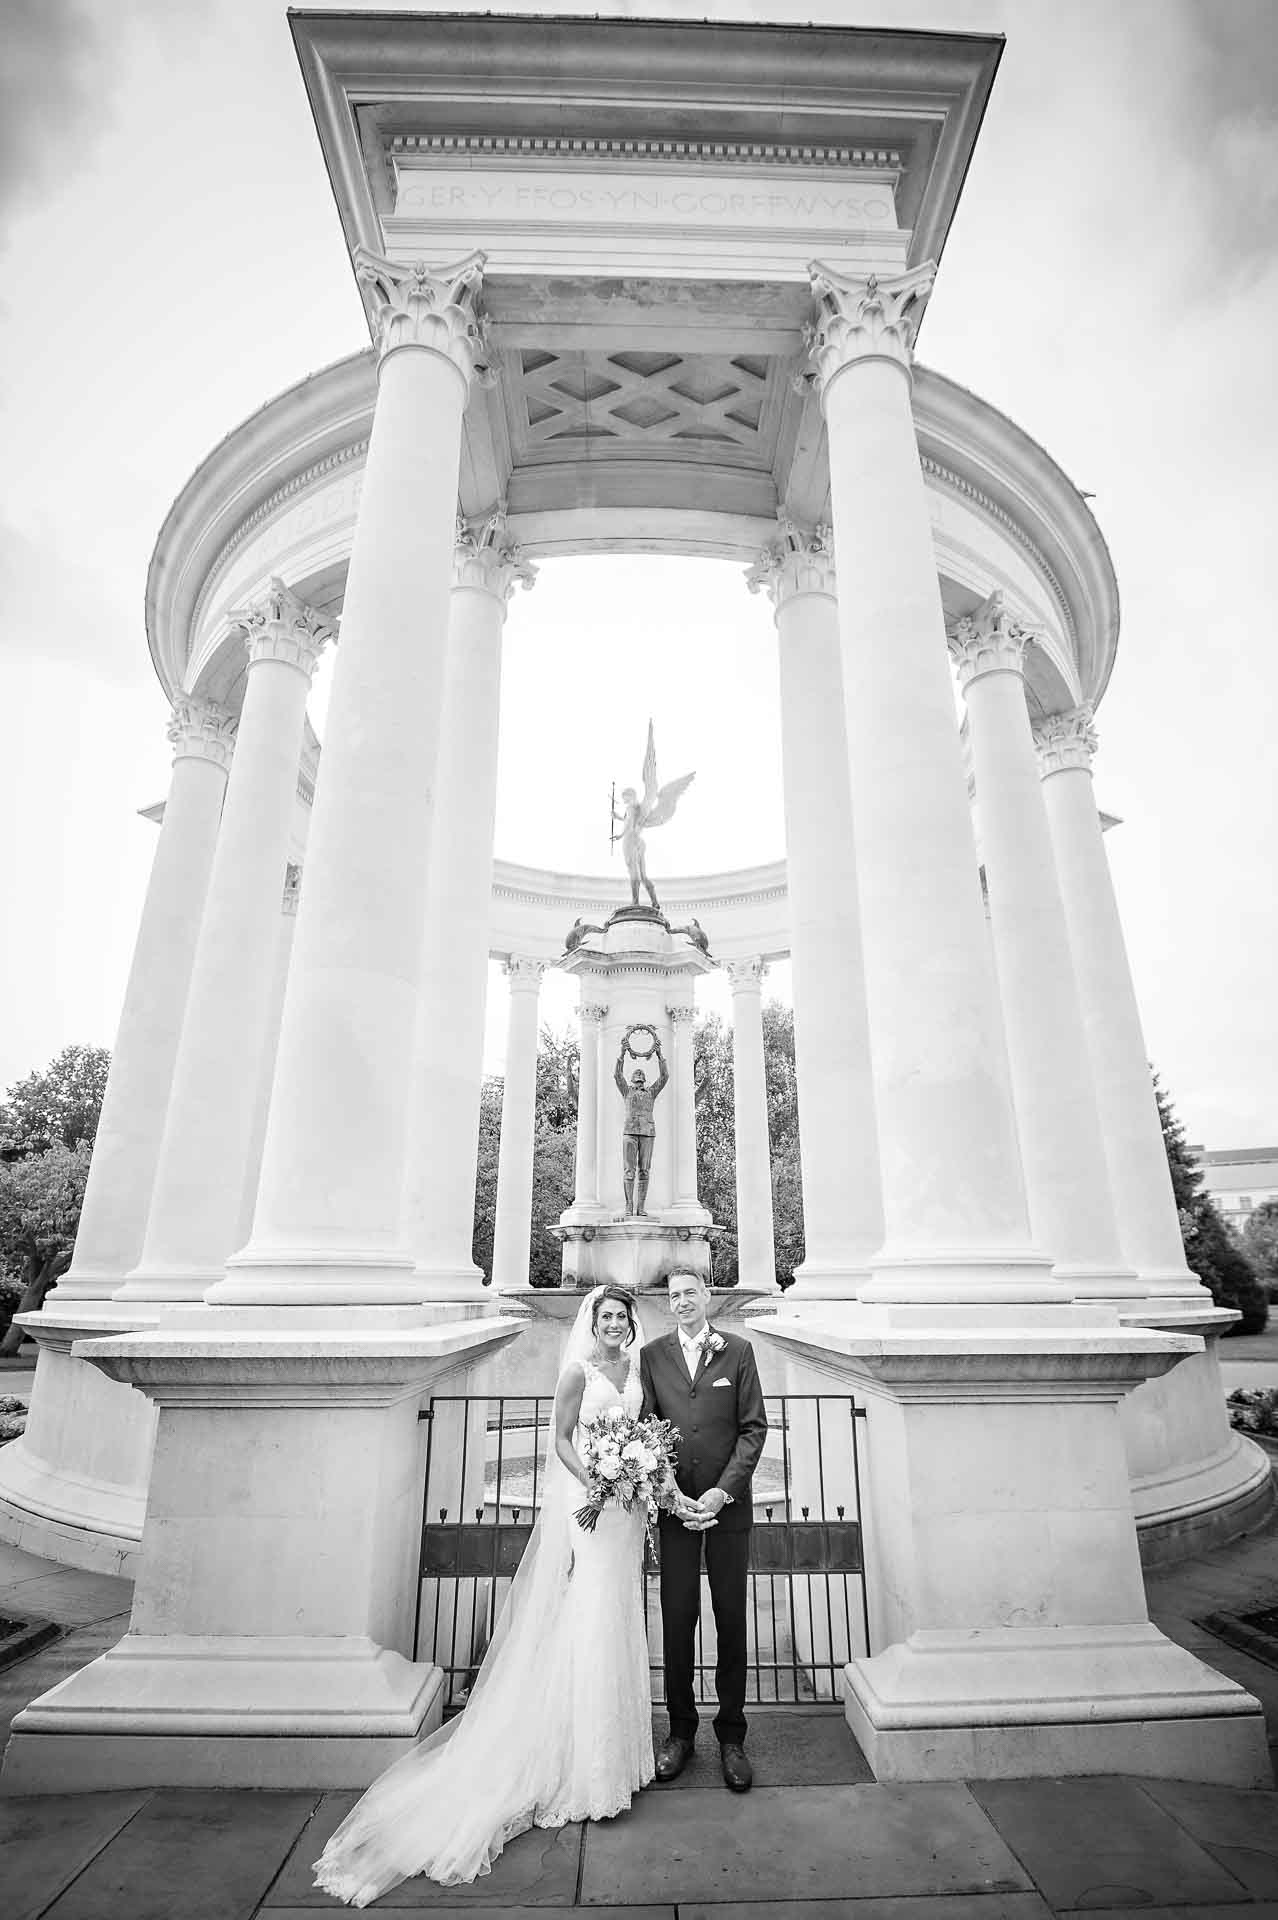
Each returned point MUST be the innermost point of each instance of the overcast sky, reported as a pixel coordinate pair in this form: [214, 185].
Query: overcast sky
[172, 258]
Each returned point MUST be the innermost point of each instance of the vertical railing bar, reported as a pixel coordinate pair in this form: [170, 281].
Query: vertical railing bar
[536, 1453]
[501, 1436]
[829, 1609]
[860, 1520]
[421, 1544]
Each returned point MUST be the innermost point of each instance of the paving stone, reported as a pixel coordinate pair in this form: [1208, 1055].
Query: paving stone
[1103, 1843]
[1257, 1910]
[70, 1597]
[954, 1906]
[773, 1844]
[1238, 1828]
[541, 1913]
[200, 1855]
[45, 1841]
[788, 1747]
[538, 1870]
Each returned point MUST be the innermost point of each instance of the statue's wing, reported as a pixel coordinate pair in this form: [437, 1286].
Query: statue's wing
[651, 791]
[667, 799]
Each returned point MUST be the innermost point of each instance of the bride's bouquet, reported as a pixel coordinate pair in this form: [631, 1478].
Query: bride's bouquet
[630, 1462]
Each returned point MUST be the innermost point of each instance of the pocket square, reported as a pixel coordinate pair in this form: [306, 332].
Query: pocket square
[722, 1381]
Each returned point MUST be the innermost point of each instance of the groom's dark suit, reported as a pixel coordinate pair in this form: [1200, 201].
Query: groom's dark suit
[722, 1426]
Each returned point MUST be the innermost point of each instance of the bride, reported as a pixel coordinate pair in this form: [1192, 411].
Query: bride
[558, 1726]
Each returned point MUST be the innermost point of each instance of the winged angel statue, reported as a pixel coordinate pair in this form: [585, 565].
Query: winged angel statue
[656, 807]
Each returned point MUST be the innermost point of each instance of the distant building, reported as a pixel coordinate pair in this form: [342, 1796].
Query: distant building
[1239, 1180]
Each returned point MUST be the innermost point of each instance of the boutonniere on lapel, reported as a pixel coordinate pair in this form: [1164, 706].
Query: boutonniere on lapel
[715, 1343]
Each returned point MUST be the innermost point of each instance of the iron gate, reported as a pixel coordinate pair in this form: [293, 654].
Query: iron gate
[807, 1609]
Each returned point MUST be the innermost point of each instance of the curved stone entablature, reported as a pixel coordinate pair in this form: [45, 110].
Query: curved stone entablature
[280, 494]
[743, 912]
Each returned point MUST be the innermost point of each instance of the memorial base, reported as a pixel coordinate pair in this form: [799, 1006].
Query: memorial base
[225, 1711]
[634, 1253]
[1046, 1703]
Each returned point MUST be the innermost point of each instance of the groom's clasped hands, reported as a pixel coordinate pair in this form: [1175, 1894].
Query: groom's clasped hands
[697, 1515]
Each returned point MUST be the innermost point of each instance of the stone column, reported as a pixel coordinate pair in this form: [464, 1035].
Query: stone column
[199, 1180]
[1148, 1225]
[686, 1199]
[439, 1188]
[328, 1222]
[513, 1226]
[585, 1202]
[1066, 1173]
[955, 1215]
[122, 1173]
[756, 1255]
[838, 1137]
[289, 897]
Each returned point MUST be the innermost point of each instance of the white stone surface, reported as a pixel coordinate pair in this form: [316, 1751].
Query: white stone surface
[439, 1185]
[118, 1194]
[1007, 1609]
[1148, 1224]
[328, 1219]
[838, 1134]
[1067, 1181]
[73, 1486]
[955, 1216]
[197, 1200]
[512, 1227]
[756, 1256]
[276, 1590]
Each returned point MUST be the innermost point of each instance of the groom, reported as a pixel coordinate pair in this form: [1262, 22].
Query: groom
[706, 1383]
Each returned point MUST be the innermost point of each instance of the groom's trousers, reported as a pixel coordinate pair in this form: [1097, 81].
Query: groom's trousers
[727, 1564]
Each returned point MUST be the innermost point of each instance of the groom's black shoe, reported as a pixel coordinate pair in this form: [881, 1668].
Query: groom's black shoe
[673, 1757]
[737, 1771]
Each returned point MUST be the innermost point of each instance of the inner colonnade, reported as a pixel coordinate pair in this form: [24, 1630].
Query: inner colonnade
[602, 341]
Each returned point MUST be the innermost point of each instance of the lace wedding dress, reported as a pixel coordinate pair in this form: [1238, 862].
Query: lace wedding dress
[558, 1726]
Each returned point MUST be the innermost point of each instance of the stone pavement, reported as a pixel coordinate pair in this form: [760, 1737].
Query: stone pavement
[816, 1840]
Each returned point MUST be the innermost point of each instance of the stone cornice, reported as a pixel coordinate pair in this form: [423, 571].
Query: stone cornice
[561, 147]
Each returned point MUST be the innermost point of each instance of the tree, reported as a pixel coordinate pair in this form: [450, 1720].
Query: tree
[40, 1200]
[1211, 1253]
[59, 1107]
[1260, 1239]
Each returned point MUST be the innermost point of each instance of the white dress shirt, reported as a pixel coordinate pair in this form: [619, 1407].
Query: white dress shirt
[692, 1349]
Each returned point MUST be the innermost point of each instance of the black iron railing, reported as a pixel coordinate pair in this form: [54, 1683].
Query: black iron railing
[808, 1612]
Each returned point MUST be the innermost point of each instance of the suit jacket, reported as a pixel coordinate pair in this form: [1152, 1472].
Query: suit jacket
[720, 1416]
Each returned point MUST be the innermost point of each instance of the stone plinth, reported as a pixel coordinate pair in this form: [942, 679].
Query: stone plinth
[73, 1486]
[636, 1253]
[270, 1643]
[1007, 1609]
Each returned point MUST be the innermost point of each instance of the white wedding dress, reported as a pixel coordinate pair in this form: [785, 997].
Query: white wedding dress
[558, 1726]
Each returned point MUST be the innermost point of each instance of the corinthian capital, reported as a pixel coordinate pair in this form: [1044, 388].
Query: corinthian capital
[799, 560]
[411, 306]
[1066, 742]
[279, 626]
[747, 976]
[200, 729]
[524, 973]
[868, 319]
[988, 641]
[487, 559]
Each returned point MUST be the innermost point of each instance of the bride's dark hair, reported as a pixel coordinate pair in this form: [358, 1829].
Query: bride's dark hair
[625, 1299]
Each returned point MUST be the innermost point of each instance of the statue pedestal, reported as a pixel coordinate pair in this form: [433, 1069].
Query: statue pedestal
[635, 1253]
[636, 971]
